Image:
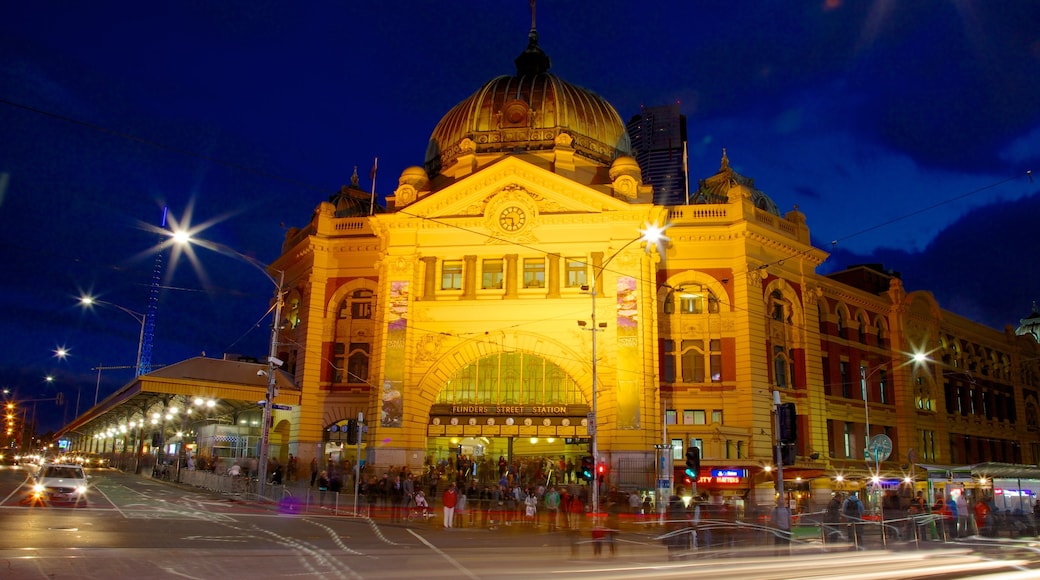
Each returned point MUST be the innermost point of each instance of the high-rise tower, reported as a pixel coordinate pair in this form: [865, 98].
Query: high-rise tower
[658, 136]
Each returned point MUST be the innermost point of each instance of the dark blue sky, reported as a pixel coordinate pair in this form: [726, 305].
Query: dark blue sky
[903, 130]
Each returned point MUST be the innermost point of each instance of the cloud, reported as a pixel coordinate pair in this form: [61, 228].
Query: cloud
[966, 268]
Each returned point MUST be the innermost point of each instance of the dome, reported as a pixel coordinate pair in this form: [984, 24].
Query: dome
[719, 187]
[1030, 325]
[527, 112]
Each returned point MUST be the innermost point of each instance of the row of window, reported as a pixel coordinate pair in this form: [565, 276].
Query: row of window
[532, 275]
[693, 417]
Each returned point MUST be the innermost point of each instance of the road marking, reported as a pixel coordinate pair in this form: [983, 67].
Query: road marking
[453, 562]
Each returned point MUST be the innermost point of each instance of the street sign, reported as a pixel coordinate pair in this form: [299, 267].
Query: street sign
[282, 407]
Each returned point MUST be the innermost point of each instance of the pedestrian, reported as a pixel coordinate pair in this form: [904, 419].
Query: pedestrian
[395, 497]
[678, 539]
[450, 499]
[314, 470]
[832, 517]
[575, 510]
[531, 507]
[323, 487]
[291, 468]
[852, 511]
[552, 506]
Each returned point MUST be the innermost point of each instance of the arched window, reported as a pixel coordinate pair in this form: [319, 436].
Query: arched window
[358, 305]
[510, 378]
[691, 299]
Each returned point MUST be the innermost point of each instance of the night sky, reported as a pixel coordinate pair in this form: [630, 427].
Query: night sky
[904, 130]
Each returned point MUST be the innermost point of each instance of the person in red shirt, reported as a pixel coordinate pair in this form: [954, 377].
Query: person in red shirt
[450, 499]
[982, 516]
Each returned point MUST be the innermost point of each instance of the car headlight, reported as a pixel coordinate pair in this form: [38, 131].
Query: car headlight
[38, 488]
[81, 490]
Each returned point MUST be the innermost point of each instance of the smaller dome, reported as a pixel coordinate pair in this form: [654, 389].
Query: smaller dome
[414, 176]
[719, 187]
[625, 165]
[1030, 325]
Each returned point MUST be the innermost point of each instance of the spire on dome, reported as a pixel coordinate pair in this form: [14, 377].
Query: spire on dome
[533, 60]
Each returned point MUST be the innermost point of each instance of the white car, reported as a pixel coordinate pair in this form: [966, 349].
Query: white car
[60, 483]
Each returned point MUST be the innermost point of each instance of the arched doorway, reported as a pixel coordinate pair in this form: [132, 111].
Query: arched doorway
[511, 412]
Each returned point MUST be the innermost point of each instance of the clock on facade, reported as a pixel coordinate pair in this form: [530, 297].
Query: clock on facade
[512, 219]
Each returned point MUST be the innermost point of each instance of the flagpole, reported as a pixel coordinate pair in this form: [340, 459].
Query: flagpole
[372, 200]
[686, 171]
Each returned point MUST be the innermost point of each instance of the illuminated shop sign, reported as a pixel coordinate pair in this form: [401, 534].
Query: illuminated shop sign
[1013, 492]
[729, 476]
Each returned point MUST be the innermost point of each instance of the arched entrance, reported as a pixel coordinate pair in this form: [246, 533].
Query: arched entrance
[511, 412]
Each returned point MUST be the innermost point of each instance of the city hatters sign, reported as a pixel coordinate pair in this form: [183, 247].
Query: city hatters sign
[510, 410]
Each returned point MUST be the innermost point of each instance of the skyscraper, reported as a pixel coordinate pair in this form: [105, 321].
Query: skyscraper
[658, 135]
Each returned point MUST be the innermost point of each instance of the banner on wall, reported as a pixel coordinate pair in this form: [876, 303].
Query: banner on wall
[629, 397]
[392, 409]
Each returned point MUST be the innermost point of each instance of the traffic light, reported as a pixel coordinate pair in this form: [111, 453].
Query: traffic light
[693, 462]
[788, 420]
[601, 470]
[788, 454]
[586, 468]
[352, 432]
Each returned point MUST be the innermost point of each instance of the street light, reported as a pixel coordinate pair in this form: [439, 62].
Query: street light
[273, 362]
[89, 301]
[651, 234]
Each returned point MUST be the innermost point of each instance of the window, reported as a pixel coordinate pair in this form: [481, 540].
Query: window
[357, 363]
[843, 368]
[715, 360]
[669, 416]
[491, 274]
[716, 416]
[678, 451]
[668, 361]
[847, 440]
[534, 273]
[779, 366]
[694, 417]
[864, 385]
[576, 275]
[691, 302]
[883, 385]
[779, 309]
[693, 361]
[358, 305]
[339, 363]
[451, 275]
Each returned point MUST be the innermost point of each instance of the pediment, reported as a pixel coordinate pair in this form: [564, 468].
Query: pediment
[521, 181]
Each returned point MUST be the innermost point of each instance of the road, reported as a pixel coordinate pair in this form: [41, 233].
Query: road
[133, 527]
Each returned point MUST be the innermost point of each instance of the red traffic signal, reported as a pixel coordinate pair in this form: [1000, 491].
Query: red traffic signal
[601, 469]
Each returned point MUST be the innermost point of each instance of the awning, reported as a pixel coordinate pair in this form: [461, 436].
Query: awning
[988, 470]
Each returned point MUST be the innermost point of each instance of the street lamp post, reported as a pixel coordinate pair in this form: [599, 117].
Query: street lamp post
[651, 234]
[273, 362]
[265, 429]
[89, 301]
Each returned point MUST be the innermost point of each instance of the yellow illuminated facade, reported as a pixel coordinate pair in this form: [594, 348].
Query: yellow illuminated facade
[459, 317]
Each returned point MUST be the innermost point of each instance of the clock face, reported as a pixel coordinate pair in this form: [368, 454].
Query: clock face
[512, 219]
